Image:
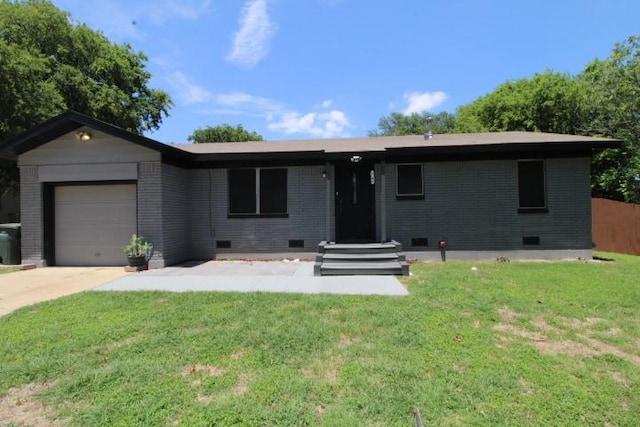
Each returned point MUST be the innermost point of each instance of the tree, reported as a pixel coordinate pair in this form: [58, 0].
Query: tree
[604, 100]
[414, 124]
[548, 102]
[49, 65]
[223, 133]
[613, 103]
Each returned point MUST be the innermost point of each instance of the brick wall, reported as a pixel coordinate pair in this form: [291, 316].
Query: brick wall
[31, 216]
[175, 229]
[209, 221]
[474, 206]
[150, 224]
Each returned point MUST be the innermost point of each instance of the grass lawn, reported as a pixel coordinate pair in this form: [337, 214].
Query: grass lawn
[501, 344]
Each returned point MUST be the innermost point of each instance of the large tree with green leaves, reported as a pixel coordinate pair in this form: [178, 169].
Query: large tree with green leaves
[414, 124]
[604, 100]
[48, 65]
[223, 133]
[613, 107]
[547, 102]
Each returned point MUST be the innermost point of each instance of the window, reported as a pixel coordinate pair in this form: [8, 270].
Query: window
[257, 191]
[409, 181]
[531, 186]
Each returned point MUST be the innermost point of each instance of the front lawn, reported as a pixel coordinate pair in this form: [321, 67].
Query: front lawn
[490, 344]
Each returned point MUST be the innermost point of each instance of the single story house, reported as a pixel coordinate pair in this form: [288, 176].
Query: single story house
[86, 186]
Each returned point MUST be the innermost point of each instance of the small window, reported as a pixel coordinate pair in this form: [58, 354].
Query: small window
[531, 186]
[256, 191]
[409, 182]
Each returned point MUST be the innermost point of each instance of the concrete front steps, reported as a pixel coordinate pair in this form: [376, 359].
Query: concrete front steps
[343, 259]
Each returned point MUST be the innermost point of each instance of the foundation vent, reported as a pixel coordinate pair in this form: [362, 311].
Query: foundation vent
[296, 243]
[223, 244]
[419, 242]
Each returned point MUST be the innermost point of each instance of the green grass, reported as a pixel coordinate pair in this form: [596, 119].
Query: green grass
[5, 270]
[506, 344]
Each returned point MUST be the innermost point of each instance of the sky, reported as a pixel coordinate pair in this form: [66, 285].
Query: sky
[299, 69]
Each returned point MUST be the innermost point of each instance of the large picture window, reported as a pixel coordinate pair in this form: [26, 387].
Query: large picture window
[409, 181]
[531, 186]
[256, 191]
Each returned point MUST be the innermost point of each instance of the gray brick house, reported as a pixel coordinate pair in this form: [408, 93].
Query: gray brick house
[86, 186]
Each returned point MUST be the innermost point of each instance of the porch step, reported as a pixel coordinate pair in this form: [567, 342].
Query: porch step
[360, 248]
[360, 259]
[361, 268]
[351, 257]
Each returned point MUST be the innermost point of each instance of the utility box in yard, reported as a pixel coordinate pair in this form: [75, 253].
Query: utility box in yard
[10, 244]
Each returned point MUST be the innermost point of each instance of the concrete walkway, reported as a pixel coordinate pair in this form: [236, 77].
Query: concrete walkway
[27, 287]
[259, 276]
[22, 288]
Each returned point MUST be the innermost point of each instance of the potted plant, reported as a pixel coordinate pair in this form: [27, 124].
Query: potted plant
[137, 251]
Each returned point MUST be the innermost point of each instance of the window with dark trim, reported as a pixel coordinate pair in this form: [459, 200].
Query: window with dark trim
[532, 195]
[257, 192]
[409, 181]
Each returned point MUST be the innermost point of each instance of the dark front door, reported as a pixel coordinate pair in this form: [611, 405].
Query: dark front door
[355, 202]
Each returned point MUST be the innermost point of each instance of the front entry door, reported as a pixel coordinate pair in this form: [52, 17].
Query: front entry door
[355, 202]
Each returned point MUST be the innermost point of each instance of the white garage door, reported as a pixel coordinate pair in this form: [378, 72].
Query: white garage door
[93, 222]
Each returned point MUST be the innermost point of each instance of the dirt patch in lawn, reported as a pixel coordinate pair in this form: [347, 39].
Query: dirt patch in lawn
[346, 340]
[242, 386]
[507, 314]
[551, 339]
[326, 369]
[206, 370]
[20, 406]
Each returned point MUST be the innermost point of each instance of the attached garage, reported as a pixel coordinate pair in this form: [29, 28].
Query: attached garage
[92, 222]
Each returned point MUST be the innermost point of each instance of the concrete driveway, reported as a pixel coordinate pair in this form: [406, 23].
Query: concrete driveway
[27, 287]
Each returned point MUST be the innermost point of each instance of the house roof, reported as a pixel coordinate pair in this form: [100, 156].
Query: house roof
[454, 145]
[383, 143]
[70, 121]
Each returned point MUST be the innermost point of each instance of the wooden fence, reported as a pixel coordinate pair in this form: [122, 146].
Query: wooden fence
[615, 226]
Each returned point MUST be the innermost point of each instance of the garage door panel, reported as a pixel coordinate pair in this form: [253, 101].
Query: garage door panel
[93, 222]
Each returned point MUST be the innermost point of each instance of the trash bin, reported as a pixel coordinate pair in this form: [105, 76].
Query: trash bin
[10, 244]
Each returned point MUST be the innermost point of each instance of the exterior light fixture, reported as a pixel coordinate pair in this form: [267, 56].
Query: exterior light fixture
[324, 174]
[83, 136]
[355, 159]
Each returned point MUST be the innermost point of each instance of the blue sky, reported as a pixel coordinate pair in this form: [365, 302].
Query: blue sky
[296, 69]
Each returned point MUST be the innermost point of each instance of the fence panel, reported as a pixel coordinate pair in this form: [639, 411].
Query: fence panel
[616, 226]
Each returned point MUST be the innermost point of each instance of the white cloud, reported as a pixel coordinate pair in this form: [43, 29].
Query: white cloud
[188, 92]
[252, 105]
[317, 124]
[251, 41]
[418, 102]
[320, 122]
